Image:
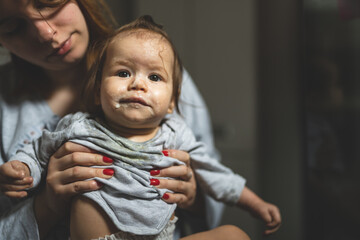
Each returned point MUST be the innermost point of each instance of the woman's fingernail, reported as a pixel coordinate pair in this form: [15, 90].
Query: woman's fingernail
[107, 159]
[165, 196]
[166, 153]
[108, 171]
[99, 184]
[154, 172]
[28, 179]
[154, 182]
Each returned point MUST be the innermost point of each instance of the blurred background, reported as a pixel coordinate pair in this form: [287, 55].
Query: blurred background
[282, 82]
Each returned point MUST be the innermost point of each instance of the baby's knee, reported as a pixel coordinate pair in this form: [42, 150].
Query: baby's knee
[233, 232]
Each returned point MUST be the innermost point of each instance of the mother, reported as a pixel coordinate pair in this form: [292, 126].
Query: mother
[48, 41]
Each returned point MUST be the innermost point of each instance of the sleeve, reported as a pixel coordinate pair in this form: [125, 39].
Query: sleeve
[196, 115]
[37, 154]
[217, 180]
[19, 222]
[27, 155]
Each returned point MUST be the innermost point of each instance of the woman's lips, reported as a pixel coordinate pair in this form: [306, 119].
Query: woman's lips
[65, 47]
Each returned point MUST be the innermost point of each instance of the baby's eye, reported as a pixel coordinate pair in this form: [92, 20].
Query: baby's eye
[155, 78]
[123, 74]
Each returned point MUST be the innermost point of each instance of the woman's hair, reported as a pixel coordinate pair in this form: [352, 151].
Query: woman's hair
[92, 84]
[100, 23]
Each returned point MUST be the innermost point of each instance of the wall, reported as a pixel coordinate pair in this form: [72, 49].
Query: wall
[280, 131]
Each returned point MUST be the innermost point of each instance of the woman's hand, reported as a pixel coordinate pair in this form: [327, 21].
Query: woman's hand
[68, 173]
[184, 186]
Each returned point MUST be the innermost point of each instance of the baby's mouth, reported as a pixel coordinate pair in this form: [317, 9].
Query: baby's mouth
[134, 100]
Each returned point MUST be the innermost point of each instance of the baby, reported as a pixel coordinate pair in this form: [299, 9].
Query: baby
[133, 89]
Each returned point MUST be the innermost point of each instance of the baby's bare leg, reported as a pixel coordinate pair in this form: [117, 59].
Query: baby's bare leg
[88, 220]
[226, 232]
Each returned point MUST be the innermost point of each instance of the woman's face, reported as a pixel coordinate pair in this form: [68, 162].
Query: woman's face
[52, 38]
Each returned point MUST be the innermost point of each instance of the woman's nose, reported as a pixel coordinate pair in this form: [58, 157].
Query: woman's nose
[44, 31]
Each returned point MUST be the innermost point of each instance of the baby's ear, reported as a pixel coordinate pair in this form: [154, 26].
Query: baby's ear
[171, 107]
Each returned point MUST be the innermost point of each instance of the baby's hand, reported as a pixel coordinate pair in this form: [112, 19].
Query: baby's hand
[15, 177]
[269, 213]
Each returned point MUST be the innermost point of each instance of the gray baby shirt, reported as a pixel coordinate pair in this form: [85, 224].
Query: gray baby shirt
[128, 198]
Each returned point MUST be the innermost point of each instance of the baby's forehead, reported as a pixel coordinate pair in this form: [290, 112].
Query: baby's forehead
[143, 34]
[144, 38]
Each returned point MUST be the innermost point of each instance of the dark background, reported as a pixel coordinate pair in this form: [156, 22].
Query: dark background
[281, 80]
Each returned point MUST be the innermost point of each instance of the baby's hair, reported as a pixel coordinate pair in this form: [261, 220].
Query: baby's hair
[92, 85]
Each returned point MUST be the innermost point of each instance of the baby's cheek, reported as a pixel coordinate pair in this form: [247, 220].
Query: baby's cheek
[109, 96]
[107, 105]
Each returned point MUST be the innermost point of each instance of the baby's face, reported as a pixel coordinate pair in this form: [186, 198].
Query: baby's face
[136, 87]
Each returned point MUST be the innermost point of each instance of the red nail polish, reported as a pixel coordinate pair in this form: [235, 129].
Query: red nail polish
[108, 171]
[165, 196]
[166, 153]
[154, 172]
[107, 159]
[99, 184]
[154, 182]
